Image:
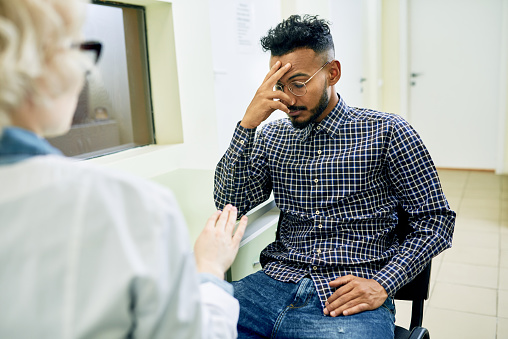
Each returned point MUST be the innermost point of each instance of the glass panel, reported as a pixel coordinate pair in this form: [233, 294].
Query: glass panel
[114, 111]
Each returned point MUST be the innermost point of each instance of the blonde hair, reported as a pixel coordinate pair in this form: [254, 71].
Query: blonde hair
[36, 58]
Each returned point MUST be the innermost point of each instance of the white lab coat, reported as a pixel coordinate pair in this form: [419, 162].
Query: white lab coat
[90, 253]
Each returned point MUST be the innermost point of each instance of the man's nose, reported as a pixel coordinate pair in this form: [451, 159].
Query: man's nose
[291, 103]
[291, 96]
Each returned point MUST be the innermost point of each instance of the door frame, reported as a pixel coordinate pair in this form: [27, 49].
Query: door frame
[405, 57]
[502, 163]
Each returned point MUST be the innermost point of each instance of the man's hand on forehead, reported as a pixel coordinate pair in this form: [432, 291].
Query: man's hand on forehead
[266, 100]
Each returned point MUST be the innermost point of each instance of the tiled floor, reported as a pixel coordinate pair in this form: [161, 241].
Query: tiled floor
[469, 282]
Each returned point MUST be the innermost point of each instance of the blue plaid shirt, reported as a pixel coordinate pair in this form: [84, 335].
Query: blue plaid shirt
[338, 183]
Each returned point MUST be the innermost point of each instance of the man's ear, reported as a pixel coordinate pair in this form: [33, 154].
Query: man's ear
[334, 72]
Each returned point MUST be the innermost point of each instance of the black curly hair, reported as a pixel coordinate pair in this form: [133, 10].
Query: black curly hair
[296, 32]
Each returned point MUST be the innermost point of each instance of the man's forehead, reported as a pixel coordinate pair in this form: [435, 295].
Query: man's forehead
[303, 55]
[303, 63]
[301, 60]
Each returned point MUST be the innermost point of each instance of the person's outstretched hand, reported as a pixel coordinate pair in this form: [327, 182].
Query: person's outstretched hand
[217, 245]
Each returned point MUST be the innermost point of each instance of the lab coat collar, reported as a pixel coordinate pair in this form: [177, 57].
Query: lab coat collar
[17, 144]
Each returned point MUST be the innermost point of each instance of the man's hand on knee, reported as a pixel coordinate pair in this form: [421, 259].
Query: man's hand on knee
[354, 295]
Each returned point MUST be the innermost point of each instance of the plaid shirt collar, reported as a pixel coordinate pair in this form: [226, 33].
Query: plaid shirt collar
[330, 124]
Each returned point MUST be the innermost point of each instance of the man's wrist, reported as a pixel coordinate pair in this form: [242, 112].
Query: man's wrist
[247, 125]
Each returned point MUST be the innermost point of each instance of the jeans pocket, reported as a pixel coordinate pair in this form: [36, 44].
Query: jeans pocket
[389, 305]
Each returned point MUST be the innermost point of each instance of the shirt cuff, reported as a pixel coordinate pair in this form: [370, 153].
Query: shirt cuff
[242, 138]
[207, 277]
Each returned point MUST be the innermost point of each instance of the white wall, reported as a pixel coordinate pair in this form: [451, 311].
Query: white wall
[193, 47]
[322, 8]
[239, 63]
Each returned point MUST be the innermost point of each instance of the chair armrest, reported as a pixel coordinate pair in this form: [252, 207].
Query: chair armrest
[419, 333]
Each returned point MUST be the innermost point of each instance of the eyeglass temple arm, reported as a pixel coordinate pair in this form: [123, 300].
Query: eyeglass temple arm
[316, 72]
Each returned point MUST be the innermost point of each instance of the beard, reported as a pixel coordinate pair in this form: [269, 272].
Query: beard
[316, 111]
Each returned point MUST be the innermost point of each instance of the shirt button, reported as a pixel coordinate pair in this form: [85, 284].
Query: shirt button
[319, 251]
[319, 152]
[314, 268]
[320, 226]
[242, 142]
[316, 181]
[317, 212]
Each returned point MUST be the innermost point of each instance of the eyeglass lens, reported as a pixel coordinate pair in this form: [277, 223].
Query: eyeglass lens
[298, 88]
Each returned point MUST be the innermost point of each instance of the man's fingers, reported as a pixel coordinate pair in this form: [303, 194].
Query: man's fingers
[355, 296]
[341, 281]
[272, 71]
[342, 302]
[280, 96]
[353, 307]
[277, 100]
[356, 309]
[277, 105]
[339, 298]
[272, 80]
[276, 72]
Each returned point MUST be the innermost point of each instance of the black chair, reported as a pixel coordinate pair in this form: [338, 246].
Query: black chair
[417, 290]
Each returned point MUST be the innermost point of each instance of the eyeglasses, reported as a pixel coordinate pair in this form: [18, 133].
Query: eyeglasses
[91, 49]
[298, 88]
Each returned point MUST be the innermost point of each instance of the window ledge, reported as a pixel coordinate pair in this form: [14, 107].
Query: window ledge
[145, 161]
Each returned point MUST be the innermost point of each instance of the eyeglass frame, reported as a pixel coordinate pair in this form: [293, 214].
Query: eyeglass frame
[94, 46]
[281, 86]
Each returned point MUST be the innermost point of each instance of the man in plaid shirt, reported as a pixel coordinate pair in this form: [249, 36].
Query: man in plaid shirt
[338, 173]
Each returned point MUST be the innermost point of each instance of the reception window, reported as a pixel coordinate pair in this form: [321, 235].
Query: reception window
[114, 110]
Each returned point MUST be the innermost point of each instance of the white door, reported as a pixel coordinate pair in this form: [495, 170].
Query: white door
[350, 30]
[454, 72]
[347, 32]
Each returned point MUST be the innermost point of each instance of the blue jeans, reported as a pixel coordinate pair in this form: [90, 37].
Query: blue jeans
[274, 309]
